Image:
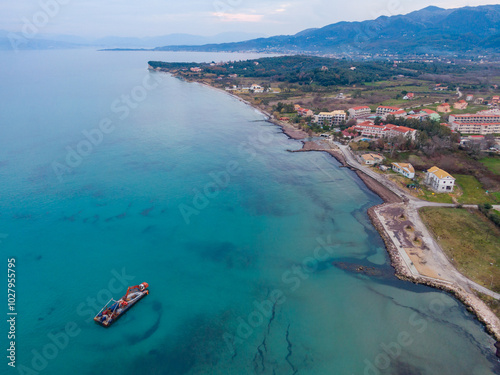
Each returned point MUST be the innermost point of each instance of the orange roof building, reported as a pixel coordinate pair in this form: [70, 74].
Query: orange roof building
[439, 180]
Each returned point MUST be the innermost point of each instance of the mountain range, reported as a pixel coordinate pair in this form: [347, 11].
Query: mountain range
[431, 30]
[56, 41]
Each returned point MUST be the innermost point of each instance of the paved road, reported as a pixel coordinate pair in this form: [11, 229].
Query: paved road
[413, 204]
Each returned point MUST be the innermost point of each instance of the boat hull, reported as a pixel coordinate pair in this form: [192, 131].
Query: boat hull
[109, 322]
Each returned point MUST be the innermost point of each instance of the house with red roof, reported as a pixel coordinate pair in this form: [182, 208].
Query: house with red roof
[383, 110]
[479, 123]
[349, 133]
[445, 107]
[394, 130]
[303, 111]
[361, 111]
[461, 104]
[369, 129]
[400, 113]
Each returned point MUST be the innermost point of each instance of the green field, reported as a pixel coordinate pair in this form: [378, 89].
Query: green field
[430, 196]
[470, 241]
[492, 163]
[472, 191]
[469, 109]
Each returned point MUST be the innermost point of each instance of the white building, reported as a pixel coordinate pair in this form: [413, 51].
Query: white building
[479, 123]
[361, 111]
[330, 118]
[406, 169]
[394, 130]
[401, 113]
[439, 180]
[383, 110]
[367, 128]
[371, 159]
[257, 89]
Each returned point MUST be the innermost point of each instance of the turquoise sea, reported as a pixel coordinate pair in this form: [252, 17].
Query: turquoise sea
[111, 175]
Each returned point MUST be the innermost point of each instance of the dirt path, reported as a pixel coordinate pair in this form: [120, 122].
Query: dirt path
[415, 254]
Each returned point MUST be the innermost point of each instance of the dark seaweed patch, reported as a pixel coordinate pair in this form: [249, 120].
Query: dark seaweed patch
[116, 217]
[23, 216]
[136, 339]
[399, 367]
[223, 252]
[71, 218]
[148, 229]
[92, 219]
[146, 211]
[197, 343]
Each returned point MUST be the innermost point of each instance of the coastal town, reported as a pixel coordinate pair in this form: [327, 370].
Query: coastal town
[250, 187]
[403, 220]
[416, 251]
[434, 164]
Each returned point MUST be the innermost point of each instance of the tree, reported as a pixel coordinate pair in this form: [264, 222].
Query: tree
[350, 123]
[473, 149]
[356, 94]
[396, 143]
[489, 141]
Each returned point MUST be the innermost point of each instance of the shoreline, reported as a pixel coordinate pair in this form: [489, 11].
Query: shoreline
[471, 302]
[289, 130]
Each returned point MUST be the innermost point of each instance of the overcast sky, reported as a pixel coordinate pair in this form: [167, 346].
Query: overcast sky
[98, 18]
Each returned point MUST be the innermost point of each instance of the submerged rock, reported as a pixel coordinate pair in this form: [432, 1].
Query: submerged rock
[363, 269]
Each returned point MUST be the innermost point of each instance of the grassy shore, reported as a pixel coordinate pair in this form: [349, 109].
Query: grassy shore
[470, 241]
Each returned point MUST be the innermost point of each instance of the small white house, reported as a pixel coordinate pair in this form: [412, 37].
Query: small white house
[257, 89]
[371, 159]
[406, 169]
[439, 180]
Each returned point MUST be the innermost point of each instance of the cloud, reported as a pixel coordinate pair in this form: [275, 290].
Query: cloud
[159, 17]
[239, 17]
[282, 8]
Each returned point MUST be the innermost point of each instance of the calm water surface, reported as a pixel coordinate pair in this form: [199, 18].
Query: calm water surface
[112, 176]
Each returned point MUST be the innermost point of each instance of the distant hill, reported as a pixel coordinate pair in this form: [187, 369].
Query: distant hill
[16, 41]
[173, 39]
[55, 41]
[429, 30]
